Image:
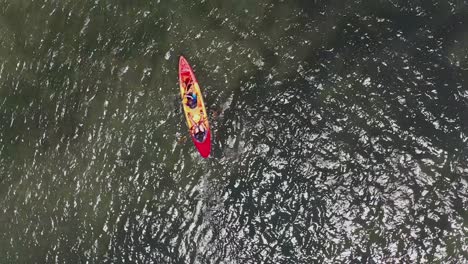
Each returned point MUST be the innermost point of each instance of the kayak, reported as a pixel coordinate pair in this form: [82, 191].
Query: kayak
[194, 108]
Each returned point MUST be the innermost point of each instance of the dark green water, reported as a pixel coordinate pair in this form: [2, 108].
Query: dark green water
[341, 132]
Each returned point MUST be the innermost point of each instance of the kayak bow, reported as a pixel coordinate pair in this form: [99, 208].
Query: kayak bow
[194, 109]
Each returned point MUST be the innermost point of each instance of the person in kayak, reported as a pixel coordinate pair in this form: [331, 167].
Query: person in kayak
[198, 127]
[190, 97]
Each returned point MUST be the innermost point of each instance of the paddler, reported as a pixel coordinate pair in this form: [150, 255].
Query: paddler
[198, 127]
[190, 96]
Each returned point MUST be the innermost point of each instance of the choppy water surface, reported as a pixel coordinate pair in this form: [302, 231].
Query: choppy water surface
[341, 132]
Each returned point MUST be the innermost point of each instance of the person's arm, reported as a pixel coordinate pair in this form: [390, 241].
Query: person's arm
[191, 120]
[189, 88]
[193, 125]
[202, 126]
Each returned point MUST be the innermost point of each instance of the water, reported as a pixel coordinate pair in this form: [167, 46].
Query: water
[340, 132]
